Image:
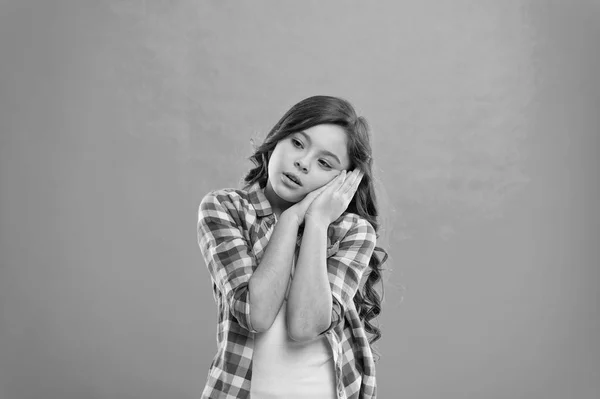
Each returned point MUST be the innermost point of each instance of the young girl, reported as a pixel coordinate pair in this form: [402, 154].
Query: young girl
[287, 254]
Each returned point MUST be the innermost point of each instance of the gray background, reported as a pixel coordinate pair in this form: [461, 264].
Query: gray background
[116, 117]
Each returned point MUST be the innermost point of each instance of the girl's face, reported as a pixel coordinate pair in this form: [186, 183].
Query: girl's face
[305, 161]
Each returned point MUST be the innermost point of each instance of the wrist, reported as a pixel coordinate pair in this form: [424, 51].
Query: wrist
[291, 217]
[316, 221]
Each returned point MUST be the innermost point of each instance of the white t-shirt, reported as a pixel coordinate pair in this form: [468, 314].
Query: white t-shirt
[283, 368]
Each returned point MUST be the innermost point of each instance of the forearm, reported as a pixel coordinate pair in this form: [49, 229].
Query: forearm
[270, 279]
[309, 301]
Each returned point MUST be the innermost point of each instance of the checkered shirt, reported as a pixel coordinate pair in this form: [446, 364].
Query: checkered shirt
[234, 227]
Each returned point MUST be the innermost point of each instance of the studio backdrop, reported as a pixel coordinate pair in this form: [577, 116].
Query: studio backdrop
[117, 117]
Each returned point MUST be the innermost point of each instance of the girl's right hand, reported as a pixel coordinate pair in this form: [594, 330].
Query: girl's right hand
[298, 210]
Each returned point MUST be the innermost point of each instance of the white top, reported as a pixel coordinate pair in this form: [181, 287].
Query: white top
[283, 368]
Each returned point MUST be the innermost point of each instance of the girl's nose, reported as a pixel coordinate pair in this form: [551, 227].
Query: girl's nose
[301, 166]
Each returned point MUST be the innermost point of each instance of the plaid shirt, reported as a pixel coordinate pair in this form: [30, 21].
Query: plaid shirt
[234, 227]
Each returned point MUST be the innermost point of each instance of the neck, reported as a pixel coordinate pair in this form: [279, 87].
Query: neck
[278, 205]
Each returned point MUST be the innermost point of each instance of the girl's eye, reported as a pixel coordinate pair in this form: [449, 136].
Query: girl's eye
[325, 164]
[297, 143]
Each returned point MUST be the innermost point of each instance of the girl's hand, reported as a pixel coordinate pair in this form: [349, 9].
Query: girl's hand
[334, 200]
[298, 210]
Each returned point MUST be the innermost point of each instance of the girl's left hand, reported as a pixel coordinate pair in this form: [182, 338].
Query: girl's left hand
[334, 200]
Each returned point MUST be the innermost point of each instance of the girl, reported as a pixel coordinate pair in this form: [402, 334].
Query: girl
[286, 255]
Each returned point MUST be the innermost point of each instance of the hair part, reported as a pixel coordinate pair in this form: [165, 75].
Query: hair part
[319, 110]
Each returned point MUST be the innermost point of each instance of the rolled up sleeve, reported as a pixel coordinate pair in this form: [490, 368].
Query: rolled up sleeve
[226, 253]
[346, 267]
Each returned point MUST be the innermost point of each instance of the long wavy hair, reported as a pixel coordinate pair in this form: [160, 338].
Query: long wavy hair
[318, 110]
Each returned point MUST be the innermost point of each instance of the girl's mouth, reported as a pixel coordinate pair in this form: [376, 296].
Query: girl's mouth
[294, 179]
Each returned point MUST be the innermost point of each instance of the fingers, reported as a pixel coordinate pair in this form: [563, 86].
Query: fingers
[337, 181]
[352, 182]
[341, 178]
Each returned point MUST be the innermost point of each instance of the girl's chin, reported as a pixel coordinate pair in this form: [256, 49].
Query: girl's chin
[289, 197]
[280, 193]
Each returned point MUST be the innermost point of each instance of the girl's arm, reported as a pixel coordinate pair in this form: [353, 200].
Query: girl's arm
[309, 301]
[339, 276]
[269, 281]
[253, 293]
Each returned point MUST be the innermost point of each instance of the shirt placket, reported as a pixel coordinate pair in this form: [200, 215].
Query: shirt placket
[337, 361]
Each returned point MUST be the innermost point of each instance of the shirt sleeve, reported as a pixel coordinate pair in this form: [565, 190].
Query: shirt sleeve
[346, 267]
[227, 255]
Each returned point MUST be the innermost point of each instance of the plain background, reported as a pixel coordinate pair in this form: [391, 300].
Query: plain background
[117, 117]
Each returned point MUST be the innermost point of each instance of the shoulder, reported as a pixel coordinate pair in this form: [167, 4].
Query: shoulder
[224, 195]
[229, 199]
[352, 226]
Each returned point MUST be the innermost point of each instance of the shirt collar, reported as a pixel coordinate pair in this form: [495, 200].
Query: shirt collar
[258, 200]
